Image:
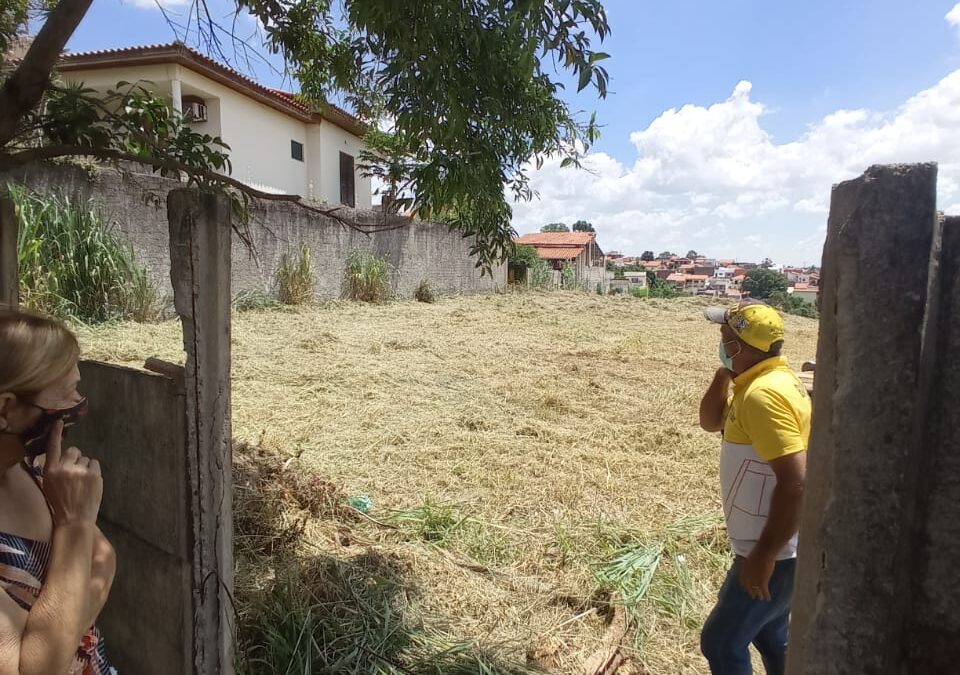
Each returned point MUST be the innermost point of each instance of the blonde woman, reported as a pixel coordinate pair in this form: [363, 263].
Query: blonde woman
[56, 567]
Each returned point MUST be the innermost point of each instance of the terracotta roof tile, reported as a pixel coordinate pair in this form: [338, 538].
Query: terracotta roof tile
[557, 238]
[559, 252]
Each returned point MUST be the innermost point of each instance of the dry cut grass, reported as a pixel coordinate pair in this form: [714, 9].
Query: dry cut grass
[532, 459]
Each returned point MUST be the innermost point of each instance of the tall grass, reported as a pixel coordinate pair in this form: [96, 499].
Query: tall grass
[295, 277]
[367, 277]
[73, 266]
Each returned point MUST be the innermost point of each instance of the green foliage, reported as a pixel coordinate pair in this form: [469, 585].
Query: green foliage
[647, 256]
[583, 226]
[523, 255]
[658, 288]
[766, 263]
[540, 275]
[247, 301]
[791, 304]
[666, 255]
[295, 278]
[327, 615]
[431, 522]
[763, 283]
[691, 254]
[641, 293]
[470, 115]
[73, 266]
[555, 227]
[650, 573]
[424, 292]
[13, 20]
[568, 277]
[367, 277]
[385, 157]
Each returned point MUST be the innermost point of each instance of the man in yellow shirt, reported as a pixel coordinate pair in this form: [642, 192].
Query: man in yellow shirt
[763, 410]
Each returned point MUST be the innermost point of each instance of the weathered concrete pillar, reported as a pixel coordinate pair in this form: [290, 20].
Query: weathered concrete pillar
[200, 238]
[9, 270]
[857, 537]
[931, 641]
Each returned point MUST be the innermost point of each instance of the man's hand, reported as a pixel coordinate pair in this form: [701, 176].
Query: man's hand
[755, 572]
[714, 402]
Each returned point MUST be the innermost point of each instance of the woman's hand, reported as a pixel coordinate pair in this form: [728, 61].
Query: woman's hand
[72, 483]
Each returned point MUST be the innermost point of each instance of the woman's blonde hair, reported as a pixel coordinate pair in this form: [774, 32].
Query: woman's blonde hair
[35, 352]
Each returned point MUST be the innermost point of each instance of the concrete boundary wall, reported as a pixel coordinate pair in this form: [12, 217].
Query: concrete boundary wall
[137, 204]
[136, 428]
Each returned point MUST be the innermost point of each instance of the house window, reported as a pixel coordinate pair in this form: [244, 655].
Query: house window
[296, 150]
[348, 190]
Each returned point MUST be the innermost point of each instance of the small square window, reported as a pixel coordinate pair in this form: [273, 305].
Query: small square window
[296, 150]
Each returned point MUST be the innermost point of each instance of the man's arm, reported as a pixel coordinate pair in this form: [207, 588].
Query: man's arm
[714, 402]
[782, 523]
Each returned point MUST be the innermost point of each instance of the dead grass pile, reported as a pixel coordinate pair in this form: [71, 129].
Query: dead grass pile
[531, 458]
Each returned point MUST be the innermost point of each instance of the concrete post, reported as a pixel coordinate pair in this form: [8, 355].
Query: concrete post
[855, 570]
[9, 269]
[931, 641]
[200, 238]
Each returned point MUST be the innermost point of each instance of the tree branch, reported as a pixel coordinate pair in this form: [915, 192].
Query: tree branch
[24, 89]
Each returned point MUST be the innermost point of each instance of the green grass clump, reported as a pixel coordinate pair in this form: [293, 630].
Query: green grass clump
[73, 265]
[367, 277]
[295, 278]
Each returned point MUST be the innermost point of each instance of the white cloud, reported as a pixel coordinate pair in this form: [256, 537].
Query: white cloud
[697, 167]
[953, 16]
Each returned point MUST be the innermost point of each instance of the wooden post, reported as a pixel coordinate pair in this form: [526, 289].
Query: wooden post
[9, 270]
[200, 239]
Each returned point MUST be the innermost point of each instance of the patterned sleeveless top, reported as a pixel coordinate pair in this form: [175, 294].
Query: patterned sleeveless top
[23, 569]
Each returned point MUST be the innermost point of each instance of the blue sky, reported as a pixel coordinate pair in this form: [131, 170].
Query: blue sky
[727, 120]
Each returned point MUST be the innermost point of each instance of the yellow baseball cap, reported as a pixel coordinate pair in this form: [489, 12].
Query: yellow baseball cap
[757, 324]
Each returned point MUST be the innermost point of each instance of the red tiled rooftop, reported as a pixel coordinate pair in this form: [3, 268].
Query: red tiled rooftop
[557, 238]
[559, 252]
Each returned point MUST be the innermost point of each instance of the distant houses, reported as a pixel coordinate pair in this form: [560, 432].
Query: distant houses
[616, 272]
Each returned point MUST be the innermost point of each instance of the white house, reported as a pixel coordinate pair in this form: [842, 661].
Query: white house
[277, 143]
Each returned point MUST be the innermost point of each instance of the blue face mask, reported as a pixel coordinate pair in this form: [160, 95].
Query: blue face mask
[724, 359]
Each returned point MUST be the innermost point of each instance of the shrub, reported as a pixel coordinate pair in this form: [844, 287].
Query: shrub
[640, 292]
[73, 266]
[367, 277]
[540, 275]
[790, 304]
[253, 300]
[295, 277]
[568, 277]
[424, 293]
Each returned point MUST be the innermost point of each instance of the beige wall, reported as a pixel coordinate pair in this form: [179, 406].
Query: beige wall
[259, 136]
[332, 141]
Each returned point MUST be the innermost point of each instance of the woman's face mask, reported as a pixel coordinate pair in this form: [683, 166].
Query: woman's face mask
[36, 438]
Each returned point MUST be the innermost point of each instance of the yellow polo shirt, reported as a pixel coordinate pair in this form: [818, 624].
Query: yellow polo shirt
[768, 417]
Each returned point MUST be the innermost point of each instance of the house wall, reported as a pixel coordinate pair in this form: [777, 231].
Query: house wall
[332, 141]
[418, 251]
[259, 136]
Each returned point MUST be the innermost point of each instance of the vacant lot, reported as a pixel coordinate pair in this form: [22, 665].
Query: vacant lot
[532, 460]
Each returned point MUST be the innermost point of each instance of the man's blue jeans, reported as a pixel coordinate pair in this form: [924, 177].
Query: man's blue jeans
[738, 620]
